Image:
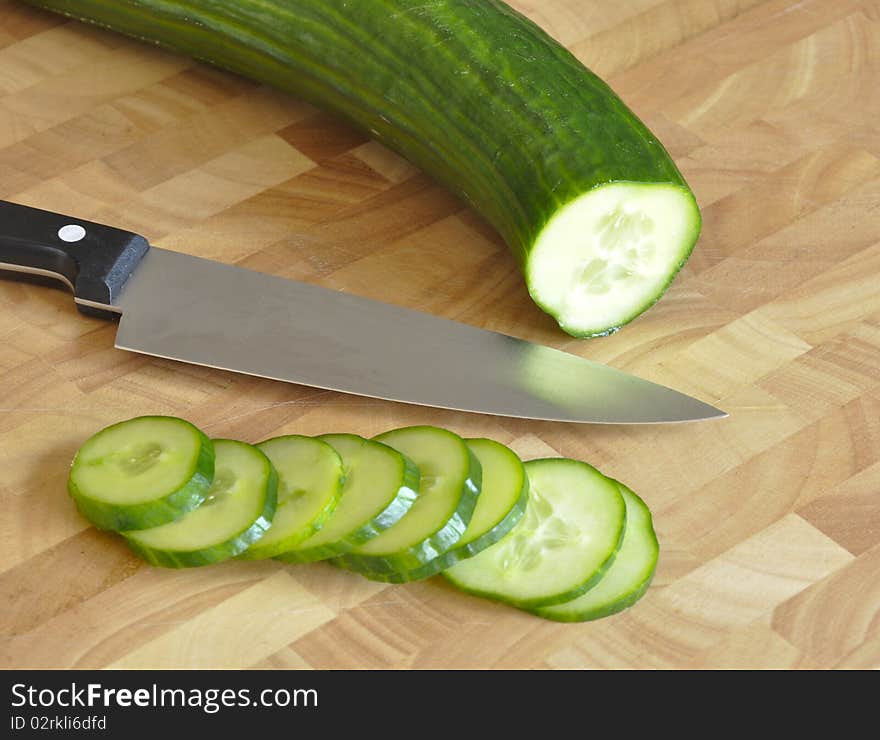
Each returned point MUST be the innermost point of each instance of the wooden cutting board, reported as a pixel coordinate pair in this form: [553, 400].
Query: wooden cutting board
[769, 520]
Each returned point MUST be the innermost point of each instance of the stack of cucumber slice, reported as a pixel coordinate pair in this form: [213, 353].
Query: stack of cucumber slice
[554, 536]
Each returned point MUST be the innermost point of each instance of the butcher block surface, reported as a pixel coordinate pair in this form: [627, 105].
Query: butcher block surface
[769, 520]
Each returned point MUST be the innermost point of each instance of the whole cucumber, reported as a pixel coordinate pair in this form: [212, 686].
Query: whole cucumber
[482, 99]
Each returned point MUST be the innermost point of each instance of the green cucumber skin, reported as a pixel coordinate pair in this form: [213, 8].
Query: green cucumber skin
[151, 514]
[428, 556]
[389, 516]
[220, 552]
[471, 91]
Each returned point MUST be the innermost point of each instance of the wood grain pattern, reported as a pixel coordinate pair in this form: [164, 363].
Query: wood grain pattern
[769, 521]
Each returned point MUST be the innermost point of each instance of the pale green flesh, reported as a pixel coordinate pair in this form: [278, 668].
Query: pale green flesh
[235, 500]
[629, 574]
[377, 477]
[570, 532]
[138, 461]
[309, 484]
[444, 465]
[606, 256]
[504, 485]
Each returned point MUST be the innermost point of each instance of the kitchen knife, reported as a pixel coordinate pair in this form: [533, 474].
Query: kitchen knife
[185, 308]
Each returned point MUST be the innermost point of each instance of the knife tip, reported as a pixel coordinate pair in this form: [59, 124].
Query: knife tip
[711, 412]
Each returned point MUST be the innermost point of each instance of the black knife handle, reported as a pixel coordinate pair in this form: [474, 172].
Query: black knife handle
[94, 259]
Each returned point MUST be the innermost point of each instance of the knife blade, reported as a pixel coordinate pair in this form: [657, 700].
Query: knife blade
[194, 310]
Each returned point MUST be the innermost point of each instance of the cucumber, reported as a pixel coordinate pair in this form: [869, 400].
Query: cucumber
[141, 473]
[504, 493]
[450, 479]
[310, 476]
[380, 486]
[236, 513]
[626, 580]
[591, 204]
[566, 541]
[502, 501]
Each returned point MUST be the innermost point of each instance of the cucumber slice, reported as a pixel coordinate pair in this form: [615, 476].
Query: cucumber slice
[572, 529]
[502, 501]
[237, 512]
[310, 479]
[504, 494]
[448, 490]
[626, 580]
[141, 473]
[380, 486]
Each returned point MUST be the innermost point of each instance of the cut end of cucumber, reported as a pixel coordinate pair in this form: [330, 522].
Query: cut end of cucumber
[608, 255]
